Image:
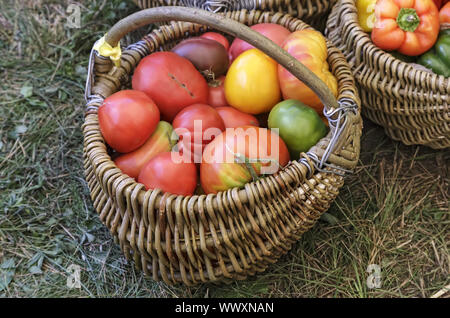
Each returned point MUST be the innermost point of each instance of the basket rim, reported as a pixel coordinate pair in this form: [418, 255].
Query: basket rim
[241, 4]
[305, 166]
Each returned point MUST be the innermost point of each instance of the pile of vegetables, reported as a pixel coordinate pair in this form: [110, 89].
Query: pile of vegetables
[209, 116]
[415, 31]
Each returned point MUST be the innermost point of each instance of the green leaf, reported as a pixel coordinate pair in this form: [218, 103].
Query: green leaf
[8, 263]
[21, 129]
[35, 270]
[37, 102]
[90, 237]
[327, 217]
[37, 258]
[26, 91]
[5, 278]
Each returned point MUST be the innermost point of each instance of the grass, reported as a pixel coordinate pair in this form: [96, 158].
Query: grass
[392, 212]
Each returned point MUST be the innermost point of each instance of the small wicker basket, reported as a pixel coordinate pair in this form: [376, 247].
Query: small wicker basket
[411, 104]
[211, 238]
[313, 12]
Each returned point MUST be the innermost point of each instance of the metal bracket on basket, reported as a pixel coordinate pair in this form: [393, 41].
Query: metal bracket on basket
[345, 105]
[89, 98]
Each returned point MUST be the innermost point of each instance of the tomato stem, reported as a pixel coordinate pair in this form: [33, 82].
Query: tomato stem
[408, 20]
[251, 169]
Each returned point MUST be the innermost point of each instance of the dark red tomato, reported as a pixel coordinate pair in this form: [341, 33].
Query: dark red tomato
[168, 174]
[208, 56]
[217, 93]
[171, 81]
[217, 37]
[233, 118]
[127, 119]
[275, 32]
[197, 125]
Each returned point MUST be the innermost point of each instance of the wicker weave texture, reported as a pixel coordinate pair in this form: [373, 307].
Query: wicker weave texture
[211, 238]
[412, 105]
[313, 12]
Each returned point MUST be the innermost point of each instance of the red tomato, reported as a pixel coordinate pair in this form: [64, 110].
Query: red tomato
[160, 141]
[233, 118]
[171, 81]
[168, 175]
[197, 125]
[275, 32]
[223, 166]
[217, 93]
[127, 118]
[217, 37]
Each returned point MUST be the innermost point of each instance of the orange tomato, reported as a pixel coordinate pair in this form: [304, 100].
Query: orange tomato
[310, 48]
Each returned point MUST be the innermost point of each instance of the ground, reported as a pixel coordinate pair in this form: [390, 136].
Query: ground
[392, 212]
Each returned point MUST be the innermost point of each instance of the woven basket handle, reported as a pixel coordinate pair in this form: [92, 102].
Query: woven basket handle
[229, 26]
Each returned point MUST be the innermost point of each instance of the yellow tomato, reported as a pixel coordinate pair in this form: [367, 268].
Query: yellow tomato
[251, 84]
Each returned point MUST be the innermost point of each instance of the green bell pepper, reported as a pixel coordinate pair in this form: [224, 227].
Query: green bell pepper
[438, 58]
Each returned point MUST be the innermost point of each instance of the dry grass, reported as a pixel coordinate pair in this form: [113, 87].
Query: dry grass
[392, 212]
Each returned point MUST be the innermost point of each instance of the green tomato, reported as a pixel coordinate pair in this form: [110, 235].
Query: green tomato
[299, 126]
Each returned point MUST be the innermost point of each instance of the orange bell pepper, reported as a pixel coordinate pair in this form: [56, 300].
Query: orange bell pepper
[410, 27]
[444, 14]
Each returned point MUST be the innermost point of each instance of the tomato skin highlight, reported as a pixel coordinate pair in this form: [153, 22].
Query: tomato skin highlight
[171, 81]
[274, 32]
[217, 37]
[249, 91]
[160, 141]
[163, 173]
[220, 170]
[233, 118]
[217, 93]
[127, 119]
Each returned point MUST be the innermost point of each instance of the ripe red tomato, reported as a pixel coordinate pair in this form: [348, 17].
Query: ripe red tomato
[168, 175]
[217, 37]
[127, 118]
[171, 81]
[196, 126]
[223, 166]
[275, 32]
[233, 118]
[217, 93]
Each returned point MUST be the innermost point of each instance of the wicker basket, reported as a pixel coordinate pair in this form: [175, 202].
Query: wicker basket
[239, 232]
[313, 12]
[411, 104]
